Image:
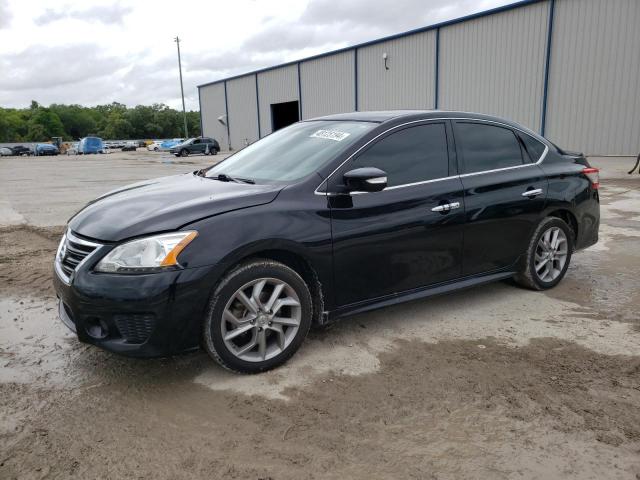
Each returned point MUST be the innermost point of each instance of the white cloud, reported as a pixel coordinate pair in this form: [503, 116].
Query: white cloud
[107, 14]
[95, 51]
[5, 14]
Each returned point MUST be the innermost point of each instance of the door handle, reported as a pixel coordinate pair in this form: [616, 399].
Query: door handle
[446, 207]
[532, 193]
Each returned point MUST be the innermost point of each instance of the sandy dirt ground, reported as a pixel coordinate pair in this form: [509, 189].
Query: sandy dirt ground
[495, 382]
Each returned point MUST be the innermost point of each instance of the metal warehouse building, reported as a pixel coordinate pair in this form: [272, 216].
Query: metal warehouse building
[569, 69]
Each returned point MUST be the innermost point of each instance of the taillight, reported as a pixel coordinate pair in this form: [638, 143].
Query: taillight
[593, 174]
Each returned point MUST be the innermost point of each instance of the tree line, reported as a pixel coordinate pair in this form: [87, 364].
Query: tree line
[113, 121]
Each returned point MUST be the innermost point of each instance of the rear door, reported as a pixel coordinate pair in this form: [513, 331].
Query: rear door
[504, 194]
[402, 237]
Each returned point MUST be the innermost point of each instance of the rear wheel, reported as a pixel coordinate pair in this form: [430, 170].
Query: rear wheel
[258, 317]
[548, 255]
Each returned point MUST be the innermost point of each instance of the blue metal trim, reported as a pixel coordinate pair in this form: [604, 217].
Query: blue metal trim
[437, 70]
[200, 112]
[258, 107]
[226, 109]
[408, 33]
[355, 78]
[547, 65]
[299, 94]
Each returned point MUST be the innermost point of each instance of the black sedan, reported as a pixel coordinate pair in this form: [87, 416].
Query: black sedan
[325, 218]
[203, 145]
[21, 150]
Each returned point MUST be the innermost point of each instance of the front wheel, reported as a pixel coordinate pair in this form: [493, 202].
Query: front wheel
[258, 317]
[184, 152]
[548, 255]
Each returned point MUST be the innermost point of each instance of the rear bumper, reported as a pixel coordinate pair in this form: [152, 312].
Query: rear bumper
[588, 215]
[136, 315]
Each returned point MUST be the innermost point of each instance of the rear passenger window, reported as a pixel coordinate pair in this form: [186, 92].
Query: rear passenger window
[534, 147]
[487, 147]
[411, 155]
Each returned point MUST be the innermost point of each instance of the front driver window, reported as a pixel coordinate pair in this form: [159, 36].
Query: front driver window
[410, 155]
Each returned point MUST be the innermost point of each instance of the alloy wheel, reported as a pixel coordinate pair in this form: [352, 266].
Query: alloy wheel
[261, 319]
[551, 254]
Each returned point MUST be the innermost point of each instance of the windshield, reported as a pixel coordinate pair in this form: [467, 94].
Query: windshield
[293, 152]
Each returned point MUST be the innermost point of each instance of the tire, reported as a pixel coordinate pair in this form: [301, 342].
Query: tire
[214, 151]
[246, 277]
[528, 275]
[184, 152]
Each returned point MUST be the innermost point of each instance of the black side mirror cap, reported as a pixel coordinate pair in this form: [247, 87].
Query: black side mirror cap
[365, 179]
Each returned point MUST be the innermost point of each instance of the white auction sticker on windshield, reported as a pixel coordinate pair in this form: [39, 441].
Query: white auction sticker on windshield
[330, 135]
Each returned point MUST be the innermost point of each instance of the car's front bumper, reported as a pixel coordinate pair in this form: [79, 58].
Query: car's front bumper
[136, 315]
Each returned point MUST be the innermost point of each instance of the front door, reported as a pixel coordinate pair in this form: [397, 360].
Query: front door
[197, 146]
[402, 237]
[504, 193]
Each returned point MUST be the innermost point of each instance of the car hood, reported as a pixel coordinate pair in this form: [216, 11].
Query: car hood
[164, 204]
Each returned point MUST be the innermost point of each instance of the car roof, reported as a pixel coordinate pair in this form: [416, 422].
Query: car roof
[388, 115]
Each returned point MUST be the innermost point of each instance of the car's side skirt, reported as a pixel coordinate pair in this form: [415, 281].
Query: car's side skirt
[414, 294]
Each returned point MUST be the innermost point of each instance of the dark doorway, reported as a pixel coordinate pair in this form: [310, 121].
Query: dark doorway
[283, 114]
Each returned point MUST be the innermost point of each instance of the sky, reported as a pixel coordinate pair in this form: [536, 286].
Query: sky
[94, 52]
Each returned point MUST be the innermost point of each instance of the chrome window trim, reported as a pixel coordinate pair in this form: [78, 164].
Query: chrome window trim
[540, 160]
[57, 264]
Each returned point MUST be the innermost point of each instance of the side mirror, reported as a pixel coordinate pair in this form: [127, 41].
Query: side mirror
[366, 179]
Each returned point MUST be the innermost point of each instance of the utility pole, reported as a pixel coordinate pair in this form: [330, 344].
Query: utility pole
[184, 111]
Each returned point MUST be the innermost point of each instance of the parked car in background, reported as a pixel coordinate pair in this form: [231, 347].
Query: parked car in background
[203, 145]
[45, 149]
[89, 145]
[5, 152]
[167, 145]
[21, 150]
[73, 149]
[131, 146]
[154, 146]
[322, 219]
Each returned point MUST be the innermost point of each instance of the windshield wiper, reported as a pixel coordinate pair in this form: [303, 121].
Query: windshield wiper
[223, 177]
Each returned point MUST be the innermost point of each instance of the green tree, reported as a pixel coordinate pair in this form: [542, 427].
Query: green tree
[13, 125]
[111, 121]
[116, 126]
[193, 124]
[77, 120]
[44, 124]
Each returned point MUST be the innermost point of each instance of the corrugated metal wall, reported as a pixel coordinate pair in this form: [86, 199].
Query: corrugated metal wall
[276, 86]
[328, 85]
[243, 111]
[495, 64]
[212, 107]
[410, 80]
[594, 79]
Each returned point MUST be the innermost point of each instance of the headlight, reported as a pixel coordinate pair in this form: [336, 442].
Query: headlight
[151, 254]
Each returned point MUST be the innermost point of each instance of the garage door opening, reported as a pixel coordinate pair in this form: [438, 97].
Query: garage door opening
[283, 114]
